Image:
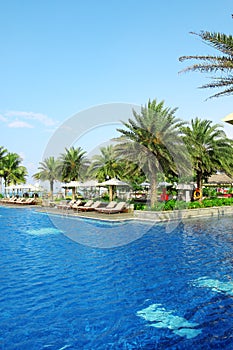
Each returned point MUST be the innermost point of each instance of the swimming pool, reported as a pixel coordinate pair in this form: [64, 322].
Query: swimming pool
[165, 290]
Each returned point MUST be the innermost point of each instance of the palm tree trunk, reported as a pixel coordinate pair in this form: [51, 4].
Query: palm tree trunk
[51, 189]
[4, 186]
[0, 184]
[73, 193]
[110, 193]
[153, 191]
[199, 184]
[199, 180]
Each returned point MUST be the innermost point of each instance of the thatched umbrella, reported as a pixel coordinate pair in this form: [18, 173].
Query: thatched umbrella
[228, 118]
[72, 185]
[220, 179]
[111, 183]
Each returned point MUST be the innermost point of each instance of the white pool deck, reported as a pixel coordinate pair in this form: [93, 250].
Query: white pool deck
[141, 215]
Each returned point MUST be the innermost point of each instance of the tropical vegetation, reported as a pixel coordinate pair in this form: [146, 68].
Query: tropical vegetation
[209, 148]
[106, 165]
[68, 167]
[71, 163]
[152, 140]
[11, 169]
[222, 63]
[154, 145]
[48, 171]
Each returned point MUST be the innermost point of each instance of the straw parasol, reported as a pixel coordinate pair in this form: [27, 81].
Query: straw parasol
[72, 185]
[220, 179]
[111, 183]
[89, 183]
[228, 118]
[164, 184]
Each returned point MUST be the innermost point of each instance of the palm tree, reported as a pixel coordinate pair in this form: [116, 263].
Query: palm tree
[106, 164]
[72, 165]
[48, 171]
[3, 152]
[209, 148]
[212, 64]
[11, 171]
[153, 142]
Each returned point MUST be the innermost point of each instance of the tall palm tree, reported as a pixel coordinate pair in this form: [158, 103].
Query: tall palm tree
[153, 141]
[106, 164]
[72, 165]
[212, 64]
[209, 148]
[48, 171]
[12, 171]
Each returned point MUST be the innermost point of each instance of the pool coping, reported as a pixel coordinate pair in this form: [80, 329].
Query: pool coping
[151, 216]
[137, 215]
[174, 215]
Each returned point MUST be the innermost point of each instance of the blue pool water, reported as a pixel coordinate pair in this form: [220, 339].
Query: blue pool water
[164, 290]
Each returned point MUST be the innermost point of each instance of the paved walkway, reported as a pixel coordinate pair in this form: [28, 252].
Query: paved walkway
[90, 214]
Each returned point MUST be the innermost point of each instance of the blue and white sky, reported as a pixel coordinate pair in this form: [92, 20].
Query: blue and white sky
[62, 57]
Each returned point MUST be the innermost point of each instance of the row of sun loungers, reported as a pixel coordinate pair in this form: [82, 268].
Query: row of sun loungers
[98, 206]
[20, 201]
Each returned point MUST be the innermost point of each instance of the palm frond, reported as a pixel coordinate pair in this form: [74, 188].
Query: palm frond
[219, 41]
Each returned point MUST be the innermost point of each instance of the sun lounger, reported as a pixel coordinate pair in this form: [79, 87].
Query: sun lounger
[29, 201]
[110, 205]
[4, 200]
[116, 209]
[76, 205]
[92, 207]
[12, 200]
[68, 205]
[20, 200]
[87, 204]
[16, 200]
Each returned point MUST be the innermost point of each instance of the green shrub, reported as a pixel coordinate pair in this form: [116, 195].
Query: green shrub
[195, 205]
[170, 204]
[213, 193]
[215, 202]
[105, 197]
[139, 206]
[206, 192]
[226, 201]
[181, 205]
[157, 207]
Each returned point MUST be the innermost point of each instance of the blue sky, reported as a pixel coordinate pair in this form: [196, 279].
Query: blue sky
[62, 57]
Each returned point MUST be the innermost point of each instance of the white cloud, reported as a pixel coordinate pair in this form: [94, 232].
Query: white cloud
[41, 118]
[20, 124]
